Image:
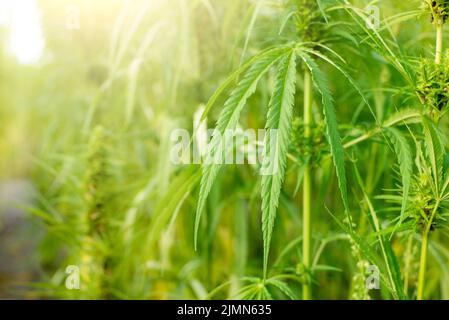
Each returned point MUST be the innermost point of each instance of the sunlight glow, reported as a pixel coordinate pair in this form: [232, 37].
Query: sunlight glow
[26, 40]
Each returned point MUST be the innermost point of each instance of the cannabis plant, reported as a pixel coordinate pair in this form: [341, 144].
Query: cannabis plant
[303, 54]
[345, 196]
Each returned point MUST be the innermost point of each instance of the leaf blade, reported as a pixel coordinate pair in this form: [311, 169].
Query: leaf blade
[279, 118]
[405, 160]
[333, 136]
[228, 119]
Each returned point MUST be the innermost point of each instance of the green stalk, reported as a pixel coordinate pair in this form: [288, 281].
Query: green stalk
[425, 236]
[307, 185]
[422, 265]
[423, 259]
[439, 43]
[408, 263]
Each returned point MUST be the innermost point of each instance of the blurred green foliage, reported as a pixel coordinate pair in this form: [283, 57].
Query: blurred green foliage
[90, 126]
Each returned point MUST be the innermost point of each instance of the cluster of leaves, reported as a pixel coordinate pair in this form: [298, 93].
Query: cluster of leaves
[432, 85]
[279, 117]
[311, 148]
[428, 204]
[309, 20]
[422, 204]
[98, 193]
[136, 207]
[439, 10]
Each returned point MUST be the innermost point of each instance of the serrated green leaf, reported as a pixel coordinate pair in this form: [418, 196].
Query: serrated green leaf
[279, 118]
[228, 120]
[405, 160]
[391, 265]
[333, 136]
[232, 78]
[282, 287]
[404, 116]
[435, 151]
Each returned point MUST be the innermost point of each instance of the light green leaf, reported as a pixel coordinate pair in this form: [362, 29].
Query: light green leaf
[405, 160]
[279, 118]
[435, 151]
[232, 78]
[228, 120]
[282, 287]
[333, 136]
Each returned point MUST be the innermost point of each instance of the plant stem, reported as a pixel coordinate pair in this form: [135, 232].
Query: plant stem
[439, 44]
[423, 259]
[422, 265]
[307, 185]
[408, 262]
[425, 236]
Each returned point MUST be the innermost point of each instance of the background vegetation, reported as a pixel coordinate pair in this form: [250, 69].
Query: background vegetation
[362, 115]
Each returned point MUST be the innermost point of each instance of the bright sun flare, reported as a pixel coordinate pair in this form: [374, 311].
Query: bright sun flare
[22, 17]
